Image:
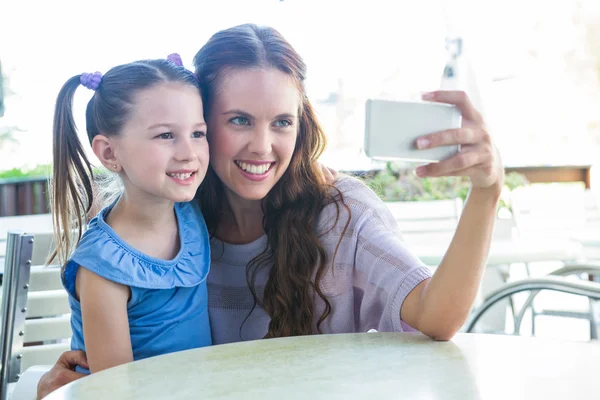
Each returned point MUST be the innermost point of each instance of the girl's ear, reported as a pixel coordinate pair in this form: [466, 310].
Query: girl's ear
[104, 149]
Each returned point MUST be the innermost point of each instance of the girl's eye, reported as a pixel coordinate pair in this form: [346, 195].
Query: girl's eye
[239, 121]
[283, 123]
[166, 135]
[198, 134]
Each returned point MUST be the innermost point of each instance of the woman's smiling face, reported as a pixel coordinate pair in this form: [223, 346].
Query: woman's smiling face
[252, 127]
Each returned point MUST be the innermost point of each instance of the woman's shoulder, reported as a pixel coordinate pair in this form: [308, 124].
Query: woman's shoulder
[355, 194]
[354, 188]
[353, 203]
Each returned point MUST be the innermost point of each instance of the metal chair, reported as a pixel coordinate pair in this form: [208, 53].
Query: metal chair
[544, 212]
[568, 270]
[35, 311]
[556, 283]
[19, 249]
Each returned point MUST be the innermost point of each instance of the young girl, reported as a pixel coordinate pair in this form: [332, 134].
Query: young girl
[137, 277]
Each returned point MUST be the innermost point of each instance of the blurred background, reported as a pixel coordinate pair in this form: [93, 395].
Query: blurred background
[532, 67]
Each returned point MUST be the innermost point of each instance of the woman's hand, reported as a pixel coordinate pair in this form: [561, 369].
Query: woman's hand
[62, 372]
[328, 175]
[438, 307]
[478, 158]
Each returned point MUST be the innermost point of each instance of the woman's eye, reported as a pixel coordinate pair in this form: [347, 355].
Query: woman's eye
[239, 121]
[283, 123]
[198, 134]
[166, 135]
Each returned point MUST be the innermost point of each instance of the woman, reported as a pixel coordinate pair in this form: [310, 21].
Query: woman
[293, 255]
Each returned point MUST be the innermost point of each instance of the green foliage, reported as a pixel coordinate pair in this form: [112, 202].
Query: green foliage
[515, 180]
[390, 184]
[39, 171]
[395, 184]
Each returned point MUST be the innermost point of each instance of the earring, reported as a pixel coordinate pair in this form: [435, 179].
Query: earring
[115, 167]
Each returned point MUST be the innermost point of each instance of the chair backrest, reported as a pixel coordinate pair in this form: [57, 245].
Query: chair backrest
[32, 224]
[426, 217]
[26, 223]
[47, 328]
[548, 211]
[43, 245]
[36, 308]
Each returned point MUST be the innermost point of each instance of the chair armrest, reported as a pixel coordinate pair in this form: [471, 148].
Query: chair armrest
[26, 386]
[553, 283]
[578, 268]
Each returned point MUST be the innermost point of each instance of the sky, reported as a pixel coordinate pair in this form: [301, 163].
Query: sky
[43, 43]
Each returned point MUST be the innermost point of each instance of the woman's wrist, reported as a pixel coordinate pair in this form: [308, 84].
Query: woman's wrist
[490, 194]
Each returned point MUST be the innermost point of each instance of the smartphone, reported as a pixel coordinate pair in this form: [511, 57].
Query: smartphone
[392, 128]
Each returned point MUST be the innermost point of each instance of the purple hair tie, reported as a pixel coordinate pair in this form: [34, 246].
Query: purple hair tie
[91, 81]
[175, 59]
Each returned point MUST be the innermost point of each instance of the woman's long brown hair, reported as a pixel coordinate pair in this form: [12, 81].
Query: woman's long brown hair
[292, 208]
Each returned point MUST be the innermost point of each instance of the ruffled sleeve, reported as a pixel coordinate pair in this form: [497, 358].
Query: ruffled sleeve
[104, 253]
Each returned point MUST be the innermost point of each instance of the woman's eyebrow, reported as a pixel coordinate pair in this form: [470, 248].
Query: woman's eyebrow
[238, 112]
[250, 116]
[286, 115]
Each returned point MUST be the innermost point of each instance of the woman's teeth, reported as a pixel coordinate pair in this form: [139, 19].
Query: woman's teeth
[182, 177]
[254, 169]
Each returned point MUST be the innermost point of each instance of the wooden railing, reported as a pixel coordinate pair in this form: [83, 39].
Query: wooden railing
[558, 173]
[26, 196]
[23, 196]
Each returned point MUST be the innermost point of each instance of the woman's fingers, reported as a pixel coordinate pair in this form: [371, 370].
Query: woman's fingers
[73, 358]
[328, 175]
[478, 159]
[457, 98]
[451, 137]
[478, 162]
[332, 175]
[468, 157]
[62, 372]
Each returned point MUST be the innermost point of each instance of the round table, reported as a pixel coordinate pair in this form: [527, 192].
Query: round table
[357, 366]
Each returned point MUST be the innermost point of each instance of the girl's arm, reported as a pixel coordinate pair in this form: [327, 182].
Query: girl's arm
[105, 322]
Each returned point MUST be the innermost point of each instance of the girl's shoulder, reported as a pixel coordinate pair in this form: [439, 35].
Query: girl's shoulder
[102, 251]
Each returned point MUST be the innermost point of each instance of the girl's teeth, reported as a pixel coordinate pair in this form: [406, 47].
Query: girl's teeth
[181, 176]
[253, 169]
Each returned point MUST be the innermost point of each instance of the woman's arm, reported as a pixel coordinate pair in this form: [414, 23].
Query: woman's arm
[105, 323]
[439, 306]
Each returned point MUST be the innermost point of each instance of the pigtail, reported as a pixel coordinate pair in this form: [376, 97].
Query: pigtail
[71, 194]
